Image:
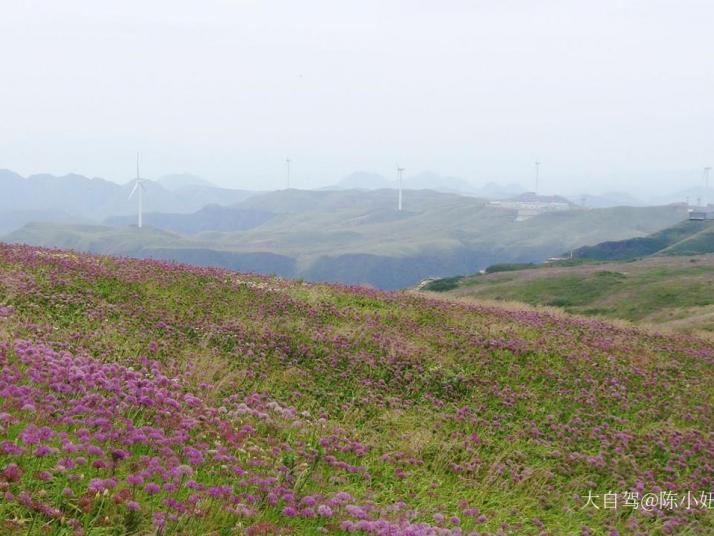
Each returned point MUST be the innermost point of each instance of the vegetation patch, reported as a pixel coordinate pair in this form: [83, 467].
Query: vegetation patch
[444, 284]
[509, 267]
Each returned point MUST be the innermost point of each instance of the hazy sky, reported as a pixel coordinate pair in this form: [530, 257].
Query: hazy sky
[607, 94]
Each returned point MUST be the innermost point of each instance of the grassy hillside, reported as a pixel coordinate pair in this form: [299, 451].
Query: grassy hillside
[673, 291]
[209, 218]
[685, 238]
[358, 237]
[151, 398]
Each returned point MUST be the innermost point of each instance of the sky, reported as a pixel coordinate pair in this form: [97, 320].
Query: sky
[608, 95]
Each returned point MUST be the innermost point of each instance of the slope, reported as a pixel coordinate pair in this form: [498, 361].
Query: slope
[667, 291]
[143, 397]
[686, 238]
[208, 218]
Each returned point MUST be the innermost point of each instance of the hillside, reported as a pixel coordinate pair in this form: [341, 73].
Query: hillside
[672, 291]
[208, 218]
[145, 397]
[357, 237]
[685, 238]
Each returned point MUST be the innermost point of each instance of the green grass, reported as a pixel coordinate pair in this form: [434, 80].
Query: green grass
[686, 238]
[570, 292]
[456, 405]
[509, 267]
[656, 290]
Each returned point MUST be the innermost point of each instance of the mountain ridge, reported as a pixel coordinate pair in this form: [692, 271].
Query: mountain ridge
[80, 198]
[358, 237]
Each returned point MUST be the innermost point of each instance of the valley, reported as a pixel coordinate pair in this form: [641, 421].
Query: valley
[354, 237]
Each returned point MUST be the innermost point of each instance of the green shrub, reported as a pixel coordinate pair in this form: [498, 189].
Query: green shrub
[509, 267]
[443, 285]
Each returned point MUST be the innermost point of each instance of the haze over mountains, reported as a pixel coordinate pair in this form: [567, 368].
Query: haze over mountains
[349, 233]
[79, 199]
[427, 180]
[353, 236]
[82, 199]
[430, 180]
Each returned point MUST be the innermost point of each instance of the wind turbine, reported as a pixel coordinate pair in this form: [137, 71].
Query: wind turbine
[139, 186]
[706, 183]
[400, 171]
[287, 162]
[537, 170]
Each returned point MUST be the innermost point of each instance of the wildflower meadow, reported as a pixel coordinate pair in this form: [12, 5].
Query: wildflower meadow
[140, 397]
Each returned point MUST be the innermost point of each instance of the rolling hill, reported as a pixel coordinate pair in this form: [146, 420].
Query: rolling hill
[141, 397]
[358, 237]
[209, 218]
[672, 291]
[686, 238]
[11, 220]
[665, 278]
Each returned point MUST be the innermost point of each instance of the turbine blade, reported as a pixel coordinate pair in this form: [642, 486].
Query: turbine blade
[133, 190]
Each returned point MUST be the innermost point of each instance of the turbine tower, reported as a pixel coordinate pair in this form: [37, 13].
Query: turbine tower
[537, 177]
[287, 164]
[400, 171]
[139, 185]
[707, 170]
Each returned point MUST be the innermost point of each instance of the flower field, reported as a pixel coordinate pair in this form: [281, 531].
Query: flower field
[142, 397]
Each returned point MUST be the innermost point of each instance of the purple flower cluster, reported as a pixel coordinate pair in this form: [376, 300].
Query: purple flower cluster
[180, 437]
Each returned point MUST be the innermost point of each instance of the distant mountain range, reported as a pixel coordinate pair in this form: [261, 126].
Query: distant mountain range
[78, 199]
[351, 233]
[356, 237]
[363, 180]
[428, 180]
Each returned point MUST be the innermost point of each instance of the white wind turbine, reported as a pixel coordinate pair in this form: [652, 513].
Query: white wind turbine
[400, 171]
[139, 186]
[707, 170]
